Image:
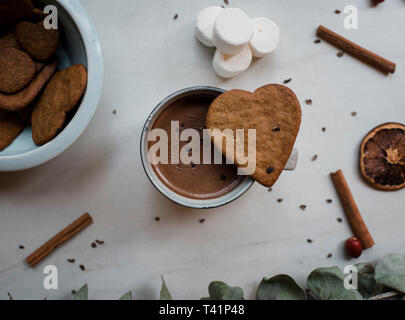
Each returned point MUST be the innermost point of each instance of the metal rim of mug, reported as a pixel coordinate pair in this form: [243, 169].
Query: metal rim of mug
[154, 179]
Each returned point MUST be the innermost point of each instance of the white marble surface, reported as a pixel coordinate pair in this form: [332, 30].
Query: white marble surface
[148, 55]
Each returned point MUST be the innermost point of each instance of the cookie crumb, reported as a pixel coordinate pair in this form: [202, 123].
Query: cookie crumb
[114, 111]
[323, 129]
[100, 241]
[93, 245]
[314, 157]
[308, 102]
[340, 54]
[82, 267]
[354, 113]
[270, 170]
[73, 291]
[329, 201]
[157, 219]
[226, 1]
[21, 247]
[280, 200]
[175, 16]
[339, 220]
[329, 255]
[276, 129]
[310, 241]
[317, 41]
[287, 81]
[71, 260]
[303, 207]
[201, 220]
[337, 11]
[270, 189]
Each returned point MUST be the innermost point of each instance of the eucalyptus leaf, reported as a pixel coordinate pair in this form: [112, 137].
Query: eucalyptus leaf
[127, 296]
[390, 272]
[327, 284]
[366, 282]
[280, 287]
[219, 290]
[164, 292]
[82, 293]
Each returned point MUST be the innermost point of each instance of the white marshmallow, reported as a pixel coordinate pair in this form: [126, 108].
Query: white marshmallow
[229, 66]
[204, 29]
[265, 38]
[233, 29]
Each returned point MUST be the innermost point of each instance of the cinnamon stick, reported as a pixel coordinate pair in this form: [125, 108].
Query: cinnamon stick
[357, 224]
[355, 50]
[60, 238]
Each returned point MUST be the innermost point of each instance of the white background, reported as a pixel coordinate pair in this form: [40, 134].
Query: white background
[148, 56]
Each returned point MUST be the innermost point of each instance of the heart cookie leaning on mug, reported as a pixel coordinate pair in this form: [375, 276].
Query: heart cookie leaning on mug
[273, 111]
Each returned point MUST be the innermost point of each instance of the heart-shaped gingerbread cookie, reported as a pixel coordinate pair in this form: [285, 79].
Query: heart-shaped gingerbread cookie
[273, 111]
[61, 95]
[16, 70]
[10, 128]
[37, 41]
[14, 11]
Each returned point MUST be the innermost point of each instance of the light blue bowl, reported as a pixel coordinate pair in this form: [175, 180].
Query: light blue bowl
[79, 45]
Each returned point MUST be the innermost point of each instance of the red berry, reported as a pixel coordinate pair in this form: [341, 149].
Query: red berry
[376, 2]
[353, 247]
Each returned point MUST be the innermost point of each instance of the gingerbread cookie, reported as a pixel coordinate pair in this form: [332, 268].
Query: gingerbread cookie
[14, 11]
[21, 99]
[9, 41]
[10, 128]
[274, 111]
[39, 66]
[39, 14]
[16, 70]
[37, 41]
[60, 96]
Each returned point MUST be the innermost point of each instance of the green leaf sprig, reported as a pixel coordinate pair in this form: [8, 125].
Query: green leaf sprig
[385, 281]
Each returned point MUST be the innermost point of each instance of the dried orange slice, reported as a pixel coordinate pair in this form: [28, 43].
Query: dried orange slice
[382, 157]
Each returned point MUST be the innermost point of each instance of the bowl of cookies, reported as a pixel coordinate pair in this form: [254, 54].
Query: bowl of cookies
[51, 76]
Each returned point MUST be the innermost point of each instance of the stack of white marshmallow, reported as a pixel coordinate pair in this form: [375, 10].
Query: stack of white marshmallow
[236, 37]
